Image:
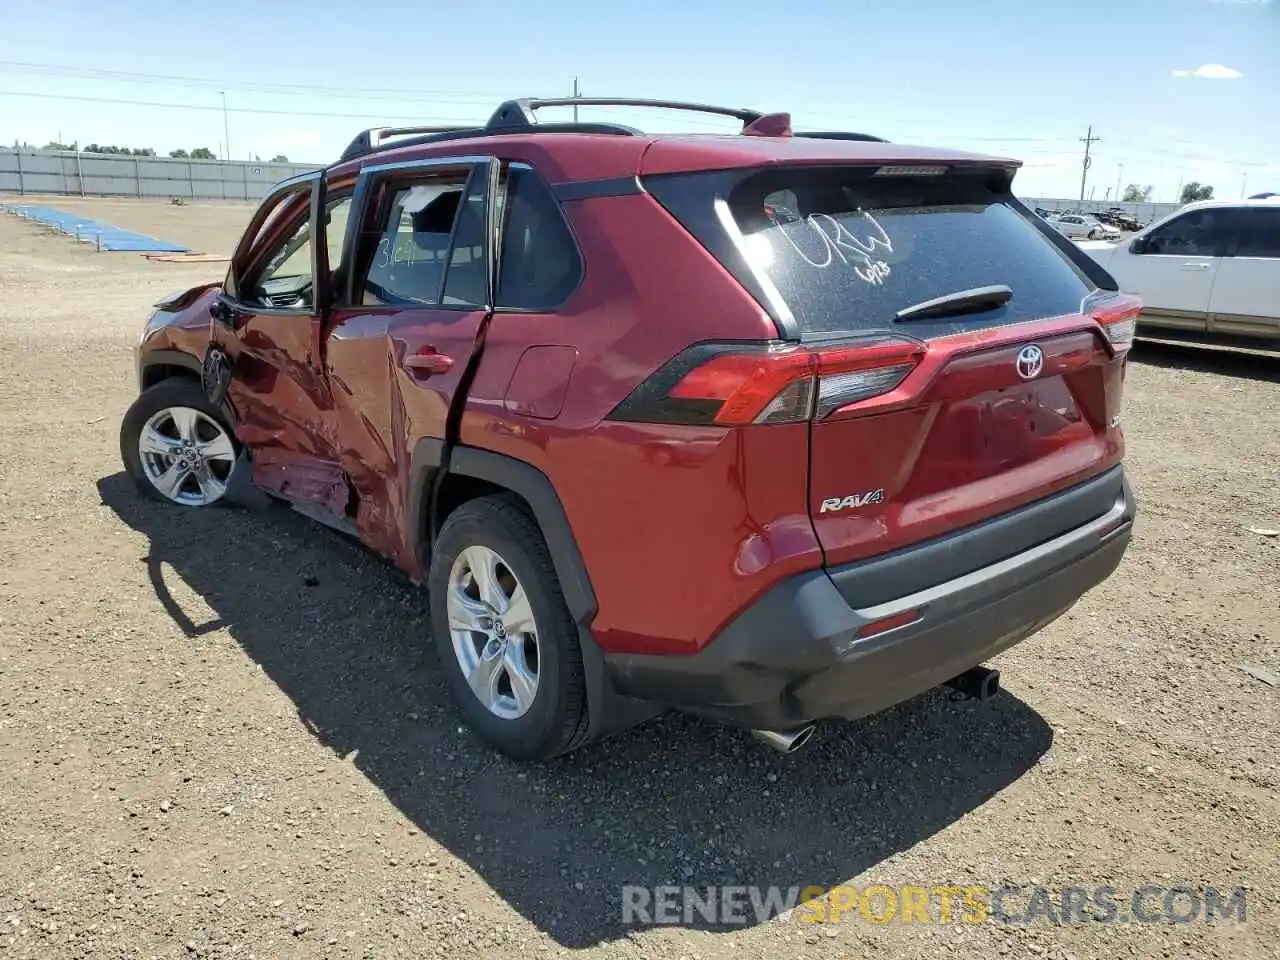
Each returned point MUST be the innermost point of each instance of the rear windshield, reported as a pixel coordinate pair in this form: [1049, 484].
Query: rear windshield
[846, 249]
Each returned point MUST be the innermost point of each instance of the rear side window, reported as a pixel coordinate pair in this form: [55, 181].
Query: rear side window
[409, 263]
[846, 249]
[539, 265]
[1259, 233]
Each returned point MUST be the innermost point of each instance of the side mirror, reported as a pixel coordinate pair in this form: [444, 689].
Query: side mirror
[225, 314]
[220, 311]
[1138, 245]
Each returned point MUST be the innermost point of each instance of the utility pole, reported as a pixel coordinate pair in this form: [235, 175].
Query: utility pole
[576, 94]
[226, 128]
[1119, 177]
[1244, 185]
[1088, 140]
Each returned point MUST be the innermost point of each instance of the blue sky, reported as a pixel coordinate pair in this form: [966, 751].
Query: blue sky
[1178, 90]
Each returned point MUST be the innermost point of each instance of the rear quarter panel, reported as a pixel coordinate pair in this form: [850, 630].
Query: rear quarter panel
[679, 526]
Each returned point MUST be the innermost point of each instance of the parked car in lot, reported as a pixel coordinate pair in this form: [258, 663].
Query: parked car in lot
[1117, 217]
[1210, 269]
[1082, 225]
[770, 428]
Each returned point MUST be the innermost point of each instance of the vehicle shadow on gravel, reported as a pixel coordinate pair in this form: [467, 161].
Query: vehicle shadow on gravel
[674, 802]
[1219, 360]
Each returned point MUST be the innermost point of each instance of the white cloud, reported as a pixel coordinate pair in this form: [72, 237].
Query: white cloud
[1211, 71]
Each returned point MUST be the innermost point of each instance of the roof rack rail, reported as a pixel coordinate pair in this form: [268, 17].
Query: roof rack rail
[519, 114]
[369, 142]
[375, 138]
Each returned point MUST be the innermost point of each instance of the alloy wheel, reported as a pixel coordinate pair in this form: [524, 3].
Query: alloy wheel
[494, 634]
[186, 455]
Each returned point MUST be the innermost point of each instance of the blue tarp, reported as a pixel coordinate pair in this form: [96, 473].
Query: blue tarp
[112, 237]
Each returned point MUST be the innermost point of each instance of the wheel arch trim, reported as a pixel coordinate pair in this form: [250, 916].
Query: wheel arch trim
[607, 710]
[431, 459]
[148, 359]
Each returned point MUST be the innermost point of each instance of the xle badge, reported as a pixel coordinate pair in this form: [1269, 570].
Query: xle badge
[853, 500]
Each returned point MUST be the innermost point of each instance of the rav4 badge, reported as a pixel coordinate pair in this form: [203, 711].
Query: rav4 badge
[853, 500]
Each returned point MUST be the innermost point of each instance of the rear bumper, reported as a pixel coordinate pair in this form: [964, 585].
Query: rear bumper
[796, 655]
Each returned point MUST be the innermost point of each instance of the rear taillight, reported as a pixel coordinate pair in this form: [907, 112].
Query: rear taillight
[737, 384]
[1118, 314]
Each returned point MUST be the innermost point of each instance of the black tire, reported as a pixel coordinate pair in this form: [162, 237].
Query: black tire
[173, 392]
[557, 720]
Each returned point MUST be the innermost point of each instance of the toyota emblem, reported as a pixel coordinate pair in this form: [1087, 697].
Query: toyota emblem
[1030, 362]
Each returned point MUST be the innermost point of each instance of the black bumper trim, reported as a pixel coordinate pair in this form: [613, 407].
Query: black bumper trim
[870, 582]
[796, 655]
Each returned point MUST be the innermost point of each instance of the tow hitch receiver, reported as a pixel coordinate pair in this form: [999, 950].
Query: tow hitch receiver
[976, 683]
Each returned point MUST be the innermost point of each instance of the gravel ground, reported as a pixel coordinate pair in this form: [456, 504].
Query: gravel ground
[223, 733]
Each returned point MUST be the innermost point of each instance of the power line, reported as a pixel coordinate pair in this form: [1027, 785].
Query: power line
[208, 106]
[367, 117]
[1200, 158]
[459, 99]
[463, 98]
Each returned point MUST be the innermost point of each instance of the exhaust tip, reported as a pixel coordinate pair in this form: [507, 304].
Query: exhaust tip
[785, 741]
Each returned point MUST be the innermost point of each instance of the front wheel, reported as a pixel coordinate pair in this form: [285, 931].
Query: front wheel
[504, 636]
[176, 445]
[1093, 234]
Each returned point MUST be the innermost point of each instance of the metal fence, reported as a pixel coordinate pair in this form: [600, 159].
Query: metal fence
[108, 175]
[24, 170]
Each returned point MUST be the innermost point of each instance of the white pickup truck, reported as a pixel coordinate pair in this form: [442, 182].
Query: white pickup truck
[1211, 268]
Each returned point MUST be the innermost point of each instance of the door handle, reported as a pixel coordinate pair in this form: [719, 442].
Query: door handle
[425, 364]
[1195, 266]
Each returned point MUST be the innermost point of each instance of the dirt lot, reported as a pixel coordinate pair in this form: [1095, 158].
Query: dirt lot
[206, 757]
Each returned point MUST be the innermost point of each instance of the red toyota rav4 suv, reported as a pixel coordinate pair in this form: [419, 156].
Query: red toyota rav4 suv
[771, 427]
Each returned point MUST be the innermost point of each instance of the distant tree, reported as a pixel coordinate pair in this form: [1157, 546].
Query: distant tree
[279, 158]
[1136, 194]
[120, 151]
[1195, 190]
[55, 145]
[202, 153]
[179, 154]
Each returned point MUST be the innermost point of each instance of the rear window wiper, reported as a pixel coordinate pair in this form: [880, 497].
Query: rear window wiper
[962, 301]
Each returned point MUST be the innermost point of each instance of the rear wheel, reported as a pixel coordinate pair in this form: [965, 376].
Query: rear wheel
[505, 639]
[177, 446]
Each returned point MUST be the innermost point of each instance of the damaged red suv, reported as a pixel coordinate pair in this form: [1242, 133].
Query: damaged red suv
[771, 427]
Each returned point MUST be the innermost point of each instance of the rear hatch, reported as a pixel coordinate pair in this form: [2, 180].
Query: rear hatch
[954, 358]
